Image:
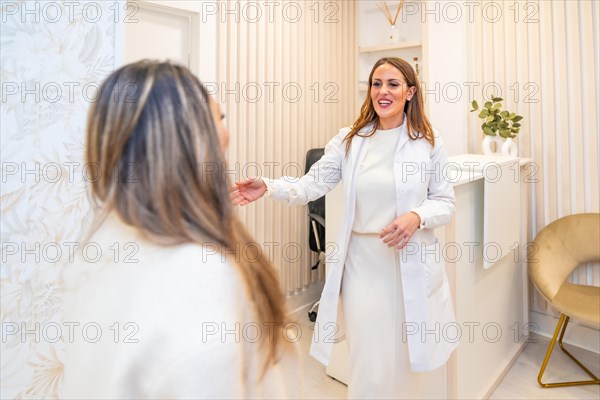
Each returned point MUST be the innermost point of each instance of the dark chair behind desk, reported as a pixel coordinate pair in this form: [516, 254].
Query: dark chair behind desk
[316, 221]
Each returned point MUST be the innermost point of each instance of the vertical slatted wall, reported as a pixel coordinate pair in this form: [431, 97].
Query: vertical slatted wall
[301, 57]
[544, 57]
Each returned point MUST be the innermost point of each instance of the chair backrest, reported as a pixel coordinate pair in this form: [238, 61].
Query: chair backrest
[560, 248]
[316, 206]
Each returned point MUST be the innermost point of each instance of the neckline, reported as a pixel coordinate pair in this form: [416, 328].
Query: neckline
[397, 129]
[394, 129]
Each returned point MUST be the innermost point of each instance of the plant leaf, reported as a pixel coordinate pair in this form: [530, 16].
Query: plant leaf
[484, 113]
[488, 131]
[475, 105]
[517, 118]
[488, 104]
[496, 99]
[496, 106]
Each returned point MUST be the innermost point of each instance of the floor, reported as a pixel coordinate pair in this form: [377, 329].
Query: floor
[316, 384]
[519, 383]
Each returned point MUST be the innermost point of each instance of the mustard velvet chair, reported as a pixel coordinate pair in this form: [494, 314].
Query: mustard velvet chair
[558, 250]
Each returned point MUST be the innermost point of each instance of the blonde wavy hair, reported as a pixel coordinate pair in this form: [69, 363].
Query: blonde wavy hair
[156, 117]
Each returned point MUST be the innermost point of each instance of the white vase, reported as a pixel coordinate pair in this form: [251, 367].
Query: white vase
[504, 147]
[392, 35]
[487, 145]
[509, 148]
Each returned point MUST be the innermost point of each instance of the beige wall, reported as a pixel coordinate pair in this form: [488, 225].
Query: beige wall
[546, 65]
[286, 85]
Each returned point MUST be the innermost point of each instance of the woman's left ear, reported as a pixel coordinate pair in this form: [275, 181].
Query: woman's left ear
[411, 93]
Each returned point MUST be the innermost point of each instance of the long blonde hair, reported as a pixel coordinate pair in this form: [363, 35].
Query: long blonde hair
[417, 121]
[153, 137]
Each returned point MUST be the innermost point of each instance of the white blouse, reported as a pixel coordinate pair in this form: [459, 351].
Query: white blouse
[376, 185]
[162, 322]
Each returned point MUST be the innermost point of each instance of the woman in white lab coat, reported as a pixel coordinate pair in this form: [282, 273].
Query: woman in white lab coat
[395, 299]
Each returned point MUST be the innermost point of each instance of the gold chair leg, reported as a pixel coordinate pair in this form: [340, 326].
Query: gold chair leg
[594, 381]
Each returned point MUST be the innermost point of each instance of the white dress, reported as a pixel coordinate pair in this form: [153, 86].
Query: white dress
[372, 298]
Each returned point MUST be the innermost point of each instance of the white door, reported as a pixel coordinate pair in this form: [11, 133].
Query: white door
[159, 33]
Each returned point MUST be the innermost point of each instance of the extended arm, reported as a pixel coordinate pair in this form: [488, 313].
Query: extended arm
[320, 179]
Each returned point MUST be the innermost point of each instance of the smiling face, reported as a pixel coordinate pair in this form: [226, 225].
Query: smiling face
[389, 94]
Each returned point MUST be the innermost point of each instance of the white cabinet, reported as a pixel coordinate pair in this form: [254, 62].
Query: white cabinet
[490, 295]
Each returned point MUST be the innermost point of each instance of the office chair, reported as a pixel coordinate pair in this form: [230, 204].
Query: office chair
[316, 221]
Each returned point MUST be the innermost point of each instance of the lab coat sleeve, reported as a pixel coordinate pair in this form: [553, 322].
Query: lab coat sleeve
[323, 176]
[438, 208]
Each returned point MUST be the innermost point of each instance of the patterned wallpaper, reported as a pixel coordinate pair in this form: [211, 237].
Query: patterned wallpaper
[54, 55]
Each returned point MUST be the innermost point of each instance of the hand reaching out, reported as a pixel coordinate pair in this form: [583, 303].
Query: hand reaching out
[399, 232]
[247, 191]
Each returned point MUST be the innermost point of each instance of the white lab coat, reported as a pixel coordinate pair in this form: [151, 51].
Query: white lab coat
[420, 187]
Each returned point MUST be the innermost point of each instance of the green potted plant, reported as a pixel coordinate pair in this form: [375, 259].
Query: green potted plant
[499, 126]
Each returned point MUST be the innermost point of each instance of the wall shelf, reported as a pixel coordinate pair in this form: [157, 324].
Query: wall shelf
[392, 5]
[397, 46]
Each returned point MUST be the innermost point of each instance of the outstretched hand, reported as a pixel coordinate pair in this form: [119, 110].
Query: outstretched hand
[247, 191]
[399, 232]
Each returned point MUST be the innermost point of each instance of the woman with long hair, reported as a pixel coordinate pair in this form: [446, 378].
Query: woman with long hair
[387, 270]
[174, 308]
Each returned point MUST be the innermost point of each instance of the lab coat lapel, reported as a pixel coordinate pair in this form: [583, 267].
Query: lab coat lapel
[357, 155]
[403, 138]
[330, 306]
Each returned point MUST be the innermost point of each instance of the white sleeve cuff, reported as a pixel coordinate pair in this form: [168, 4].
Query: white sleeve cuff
[269, 187]
[421, 217]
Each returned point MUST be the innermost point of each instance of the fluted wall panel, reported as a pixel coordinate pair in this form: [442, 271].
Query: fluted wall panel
[544, 57]
[302, 56]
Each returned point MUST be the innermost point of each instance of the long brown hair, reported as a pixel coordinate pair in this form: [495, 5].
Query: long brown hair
[153, 137]
[417, 122]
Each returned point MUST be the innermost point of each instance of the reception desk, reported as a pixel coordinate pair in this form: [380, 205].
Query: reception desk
[484, 247]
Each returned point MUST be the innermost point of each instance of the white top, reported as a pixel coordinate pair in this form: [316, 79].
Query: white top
[162, 322]
[376, 185]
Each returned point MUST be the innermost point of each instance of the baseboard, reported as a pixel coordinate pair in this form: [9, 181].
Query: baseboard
[305, 298]
[503, 370]
[575, 335]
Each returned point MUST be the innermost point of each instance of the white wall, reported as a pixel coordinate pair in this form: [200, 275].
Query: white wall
[444, 55]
